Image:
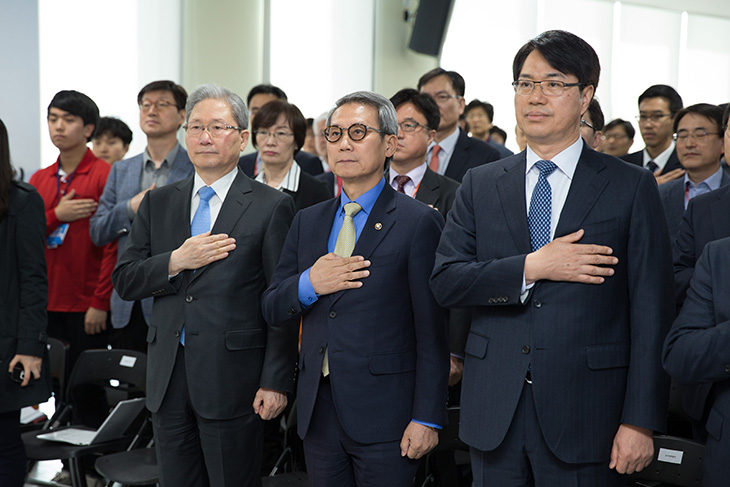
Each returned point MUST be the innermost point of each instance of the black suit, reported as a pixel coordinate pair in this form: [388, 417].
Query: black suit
[468, 153]
[638, 159]
[229, 350]
[309, 163]
[311, 191]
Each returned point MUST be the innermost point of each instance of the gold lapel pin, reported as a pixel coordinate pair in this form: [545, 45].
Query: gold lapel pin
[378, 226]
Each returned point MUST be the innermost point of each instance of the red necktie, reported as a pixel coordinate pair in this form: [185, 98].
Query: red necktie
[434, 164]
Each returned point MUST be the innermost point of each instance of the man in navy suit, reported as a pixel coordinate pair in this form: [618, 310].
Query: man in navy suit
[452, 152]
[697, 353]
[161, 113]
[562, 382]
[374, 356]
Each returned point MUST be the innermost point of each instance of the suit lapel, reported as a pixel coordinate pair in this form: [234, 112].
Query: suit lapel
[428, 190]
[180, 220]
[319, 227]
[131, 181]
[511, 191]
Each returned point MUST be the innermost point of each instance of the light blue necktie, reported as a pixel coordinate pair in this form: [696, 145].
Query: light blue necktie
[200, 224]
[541, 206]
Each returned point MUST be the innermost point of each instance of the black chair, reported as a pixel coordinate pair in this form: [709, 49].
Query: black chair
[286, 471]
[449, 443]
[58, 365]
[117, 374]
[132, 467]
[677, 463]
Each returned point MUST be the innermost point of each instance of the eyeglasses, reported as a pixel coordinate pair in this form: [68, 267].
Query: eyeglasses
[653, 117]
[214, 129]
[525, 87]
[615, 137]
[278, 135]
[411, 126]
[476, 115]
[356, 132]
[587, 125]
[444, 97]
[698, 135]
[146, 106]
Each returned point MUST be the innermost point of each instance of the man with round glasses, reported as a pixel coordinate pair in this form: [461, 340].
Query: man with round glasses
[559, 254]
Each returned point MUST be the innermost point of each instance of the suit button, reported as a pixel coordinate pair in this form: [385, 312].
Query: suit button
[491, 300]
[727, 367]
[333, 314]
[538, 304]
[291, 311]
[177, 334]
[525, 349]
[188, 299]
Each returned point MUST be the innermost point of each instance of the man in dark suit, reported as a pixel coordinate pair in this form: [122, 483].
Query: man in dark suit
[658, 106]
[697, 353]
[374, 357]
[571, 297]
[452, 152]
[699, 139]
[205, 249]
[164, 160]
[259, 96]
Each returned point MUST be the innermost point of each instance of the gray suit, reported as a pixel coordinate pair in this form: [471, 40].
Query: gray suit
[111, 220]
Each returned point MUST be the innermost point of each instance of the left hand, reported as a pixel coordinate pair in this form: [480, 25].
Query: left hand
[456, 370]
[633, 449]
[31, 365]
[418, 440]
[94, 321]
[269, 403]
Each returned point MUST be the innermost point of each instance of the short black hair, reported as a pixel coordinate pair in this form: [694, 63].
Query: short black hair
[625, 124]
[496, 130]
[666, 92]
[486, 106]
[710, 112]
[565, 52]
[177, 91]
[266, 89]
[268, 114]
[596, 114]
[423, 102]
[725, 117]
[457, 82]
[113, 127]
[77, 104]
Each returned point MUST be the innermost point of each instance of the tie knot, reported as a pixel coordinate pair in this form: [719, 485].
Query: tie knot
[402, 180]
[436, 149]
[352, 209]
[206, 193]
[546, 167]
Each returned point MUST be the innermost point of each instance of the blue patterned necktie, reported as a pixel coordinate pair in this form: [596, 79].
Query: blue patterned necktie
[200, 224]
[541, 206]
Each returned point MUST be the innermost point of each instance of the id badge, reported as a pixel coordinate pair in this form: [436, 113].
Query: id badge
[57, 237]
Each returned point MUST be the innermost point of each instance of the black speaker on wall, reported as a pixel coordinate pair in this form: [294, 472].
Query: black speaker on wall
[429, 29]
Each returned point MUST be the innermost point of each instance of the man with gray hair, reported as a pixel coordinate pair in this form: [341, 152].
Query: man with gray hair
[205, 249]
[374, 359]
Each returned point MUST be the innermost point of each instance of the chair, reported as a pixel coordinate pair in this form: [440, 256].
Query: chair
[58, 361]
[135, 466]
[119, 374]
[449, 442]
[677, 463]
[286, 471]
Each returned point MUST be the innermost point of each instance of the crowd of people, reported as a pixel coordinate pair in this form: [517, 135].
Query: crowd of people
[378, 263]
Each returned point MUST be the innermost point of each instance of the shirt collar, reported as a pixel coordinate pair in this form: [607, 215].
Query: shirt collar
[169, 158]
[366, 200]
[662, 159]
[567, 160]
[290, 181]
[416, 174]
[713, 182]
[220, 186]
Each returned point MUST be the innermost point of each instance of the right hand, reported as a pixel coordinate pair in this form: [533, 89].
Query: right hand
[199, 251]
[565, 260]
[137, 198]
[670, 176]
[70, 209]
[332, 273]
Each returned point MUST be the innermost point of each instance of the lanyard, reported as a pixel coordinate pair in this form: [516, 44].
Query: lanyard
[69, 178]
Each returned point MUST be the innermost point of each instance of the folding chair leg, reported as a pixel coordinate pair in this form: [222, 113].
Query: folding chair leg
[78, 479]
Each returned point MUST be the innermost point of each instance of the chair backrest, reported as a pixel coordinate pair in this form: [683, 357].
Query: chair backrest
[58, 362]
[677, 462]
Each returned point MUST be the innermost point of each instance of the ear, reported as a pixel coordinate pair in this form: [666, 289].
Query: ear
[462, 105]
[596, 139]
[88, 130]
[586, 97]
[245, 134]
[181, 114]
[431, 136]
[391, 145]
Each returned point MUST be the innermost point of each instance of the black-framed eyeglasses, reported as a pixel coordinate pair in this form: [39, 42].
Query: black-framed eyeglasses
[549, 87]
[411, 126]
[356, 132]
[697, 135]
[444, 97]
[652, 117]
[214, 129]
[278, 135]
[146, 106]
[588, 125]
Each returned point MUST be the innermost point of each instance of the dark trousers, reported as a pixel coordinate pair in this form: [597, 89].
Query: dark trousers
[12, 451]
[525, 460]
[336, 460]
[198, 452]
[134, 335]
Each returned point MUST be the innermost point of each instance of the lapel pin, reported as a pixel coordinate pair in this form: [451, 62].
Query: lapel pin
[378, 226]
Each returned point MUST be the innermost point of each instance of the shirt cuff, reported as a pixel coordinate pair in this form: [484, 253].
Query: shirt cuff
[430, 425]
[525, 289]
[307, 296]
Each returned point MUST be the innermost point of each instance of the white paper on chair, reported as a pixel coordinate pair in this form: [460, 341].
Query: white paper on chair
[670, 456]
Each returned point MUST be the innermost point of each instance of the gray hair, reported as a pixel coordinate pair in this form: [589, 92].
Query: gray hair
[321, 118]
[387, 118]
[211, 90]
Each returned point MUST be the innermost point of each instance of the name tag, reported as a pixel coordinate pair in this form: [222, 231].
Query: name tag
[670, 456]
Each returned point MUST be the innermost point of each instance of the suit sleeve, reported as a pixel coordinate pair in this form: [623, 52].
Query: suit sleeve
[458, 278]
[111, 218]
[697, 349]
[281, 341]
[684, 255]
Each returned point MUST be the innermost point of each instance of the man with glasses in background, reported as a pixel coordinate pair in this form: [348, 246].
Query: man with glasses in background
[161, 113]
[452, 152]
[658, 106]
[618, 137]
[559, 252]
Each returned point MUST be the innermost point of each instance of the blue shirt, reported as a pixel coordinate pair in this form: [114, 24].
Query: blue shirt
[709, 184]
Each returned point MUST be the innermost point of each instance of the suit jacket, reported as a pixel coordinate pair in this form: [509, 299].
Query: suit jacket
[329, 181]
[111, 221]
[229, 350]
[638, 159]
[697, 349]
[594, 359]
[23, 295]
[309, 163]
[388, 354]
[672, 194]
[311, 191]
[468, 153]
